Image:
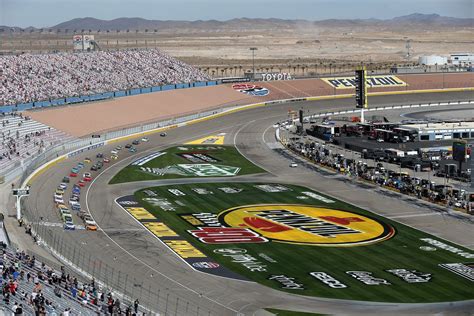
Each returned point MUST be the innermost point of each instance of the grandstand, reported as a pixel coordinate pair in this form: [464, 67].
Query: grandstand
[50, 290]
[22, 138]
[51, 76]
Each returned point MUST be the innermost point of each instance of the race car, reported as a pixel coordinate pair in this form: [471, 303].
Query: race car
[114, 157]
[144, 139]
[62, 186]
[87, 160]
[136, 142]
[87, 177]
[132, 149]
[128, 146]
[163, 134]
[89, 222]
[81, 183]
[99, 155]
[66, 180]
[106, 160]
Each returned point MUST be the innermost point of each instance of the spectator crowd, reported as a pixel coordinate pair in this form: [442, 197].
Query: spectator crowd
[31, 287]
[29, 77]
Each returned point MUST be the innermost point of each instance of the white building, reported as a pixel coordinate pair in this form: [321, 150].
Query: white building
[432, 60]
[462, 59]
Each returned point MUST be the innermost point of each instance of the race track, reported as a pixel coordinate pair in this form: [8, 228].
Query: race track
[126, 247]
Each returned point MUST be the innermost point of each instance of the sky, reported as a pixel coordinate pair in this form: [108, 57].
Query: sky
[45, 13]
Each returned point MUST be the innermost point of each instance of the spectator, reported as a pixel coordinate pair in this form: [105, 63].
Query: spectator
[28, 77]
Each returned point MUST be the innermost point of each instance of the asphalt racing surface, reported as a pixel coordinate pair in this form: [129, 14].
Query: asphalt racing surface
[146, 264]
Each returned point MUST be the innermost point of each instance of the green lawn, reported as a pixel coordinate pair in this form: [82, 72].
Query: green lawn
[402, 251]
[218, 160]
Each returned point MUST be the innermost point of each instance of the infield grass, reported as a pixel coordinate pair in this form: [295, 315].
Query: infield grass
[402, 251]
[223, 155]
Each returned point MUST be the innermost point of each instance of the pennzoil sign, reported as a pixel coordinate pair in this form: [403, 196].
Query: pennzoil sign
[297, 224]
[388, 81]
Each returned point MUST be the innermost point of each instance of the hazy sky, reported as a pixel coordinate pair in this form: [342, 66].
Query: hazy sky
[44, 13]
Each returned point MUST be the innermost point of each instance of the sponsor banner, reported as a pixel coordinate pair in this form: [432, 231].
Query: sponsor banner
[206, 265]
[303, 224]
[198, 157]
[194, 170]
[226, 235]
[411, 276]
[240, 256]
[382, 81]
[328, 280]
[81, 150]
[234, 80]
[272, 188]
[441, 245]
[466, 270]
[286, 282]
[162, 203]
[181, 247]
[205, 219]
[208, 170]
[318, 197]
[143, 160]
[251, 89]
[276, 76]
[367, 278]
[212, 139]
[202, 191]
[176, 192]
[230, 190]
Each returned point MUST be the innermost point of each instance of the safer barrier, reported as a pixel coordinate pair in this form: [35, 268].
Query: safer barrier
[102, 96]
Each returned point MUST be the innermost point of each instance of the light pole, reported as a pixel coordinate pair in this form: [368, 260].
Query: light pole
[253, 49]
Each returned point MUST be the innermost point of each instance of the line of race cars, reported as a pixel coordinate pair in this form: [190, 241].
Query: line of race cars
[74, 198]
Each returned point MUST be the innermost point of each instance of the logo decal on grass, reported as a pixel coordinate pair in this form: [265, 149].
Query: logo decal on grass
[308, 225]
[195, 170]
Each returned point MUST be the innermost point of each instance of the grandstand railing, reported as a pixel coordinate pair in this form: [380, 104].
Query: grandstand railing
[102, 96]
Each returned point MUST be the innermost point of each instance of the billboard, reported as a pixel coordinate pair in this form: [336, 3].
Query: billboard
[379, 81]
[459, 150]
[83, 42]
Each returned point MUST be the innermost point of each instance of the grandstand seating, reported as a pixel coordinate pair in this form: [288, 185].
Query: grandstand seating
[14, 129]
[77, 305]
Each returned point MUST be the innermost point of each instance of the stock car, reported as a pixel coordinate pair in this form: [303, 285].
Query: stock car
[144, 139]
[114, 157]
[89, 222]
[81, 183]
[73, 172]
[128, 146]
[87, 176]
[114, 152]
[87, 160]
[136, 142]
[106, 160]
[94, 168]
[58, 199]
[76, 189]
[75, 206]
[66, 180]
[68, 224]
[132, 149]
[59, 191]
[118, 147]
[62, 186]
[163, 134]
[99, 155]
